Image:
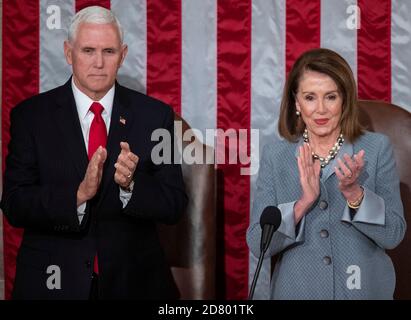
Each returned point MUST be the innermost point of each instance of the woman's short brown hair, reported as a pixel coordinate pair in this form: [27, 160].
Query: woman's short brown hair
[332, 64]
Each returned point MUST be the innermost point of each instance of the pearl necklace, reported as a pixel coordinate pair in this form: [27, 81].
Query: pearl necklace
[331, 154]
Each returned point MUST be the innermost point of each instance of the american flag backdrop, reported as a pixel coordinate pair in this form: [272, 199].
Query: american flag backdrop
[220, 64]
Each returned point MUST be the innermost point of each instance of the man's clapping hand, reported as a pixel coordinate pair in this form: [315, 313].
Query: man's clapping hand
[92, 179]
[125, 166]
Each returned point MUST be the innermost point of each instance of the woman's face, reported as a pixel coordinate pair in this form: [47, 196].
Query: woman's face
[320, 104]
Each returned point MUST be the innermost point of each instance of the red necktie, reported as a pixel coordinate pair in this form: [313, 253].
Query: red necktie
[98, 131]
[97, 137]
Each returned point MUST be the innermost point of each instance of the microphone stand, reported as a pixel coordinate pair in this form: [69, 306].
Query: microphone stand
[270, 220]
[256, 274]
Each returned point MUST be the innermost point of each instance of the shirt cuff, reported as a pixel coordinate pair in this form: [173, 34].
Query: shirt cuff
[371, 210]
[81, 211]
[125, 195]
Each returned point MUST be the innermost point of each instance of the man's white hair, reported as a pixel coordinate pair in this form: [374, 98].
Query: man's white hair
[93, 14]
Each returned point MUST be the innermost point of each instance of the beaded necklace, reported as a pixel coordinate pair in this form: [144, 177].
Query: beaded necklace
[331, 154]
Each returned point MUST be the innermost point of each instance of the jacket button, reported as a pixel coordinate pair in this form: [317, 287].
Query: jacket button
[324, 233]
[88, 264]
[323, 205]
[327, 260]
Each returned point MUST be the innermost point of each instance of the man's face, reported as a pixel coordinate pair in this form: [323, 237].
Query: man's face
[95, 55]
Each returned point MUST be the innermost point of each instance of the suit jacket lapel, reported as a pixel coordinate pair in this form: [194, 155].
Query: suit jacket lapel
[347, 147]
[66, 117]
[328, 171]
[121, 121]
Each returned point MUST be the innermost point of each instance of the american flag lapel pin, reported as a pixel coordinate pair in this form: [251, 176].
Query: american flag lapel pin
[122, 121]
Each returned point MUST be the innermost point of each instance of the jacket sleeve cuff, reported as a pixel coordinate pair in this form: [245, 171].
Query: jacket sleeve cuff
[287, 226]
[371, 210]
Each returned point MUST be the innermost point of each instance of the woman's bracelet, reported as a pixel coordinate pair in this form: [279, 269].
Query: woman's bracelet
[356, 204]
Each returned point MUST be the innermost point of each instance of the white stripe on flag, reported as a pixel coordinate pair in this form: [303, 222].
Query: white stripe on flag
[199, 64]
[133, 18]
[267, 81]
[400, 53]
[54, 21]
[337, 30]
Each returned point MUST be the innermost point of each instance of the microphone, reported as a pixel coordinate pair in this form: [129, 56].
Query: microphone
[270, 221]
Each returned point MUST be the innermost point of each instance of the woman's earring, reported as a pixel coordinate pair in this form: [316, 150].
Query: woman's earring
[298, 113]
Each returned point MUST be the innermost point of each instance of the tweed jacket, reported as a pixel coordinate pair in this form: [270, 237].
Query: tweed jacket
[334, 252]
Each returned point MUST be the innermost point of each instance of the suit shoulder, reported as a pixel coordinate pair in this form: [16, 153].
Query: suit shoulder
[279, 148]
[34, 104]
[373, 141]
[145, 102]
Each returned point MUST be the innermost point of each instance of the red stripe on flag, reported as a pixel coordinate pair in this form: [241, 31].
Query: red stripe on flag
[20, 80]
[374, 50]
[81, 4]
[164, 51]
[233, 112]
[303, 22]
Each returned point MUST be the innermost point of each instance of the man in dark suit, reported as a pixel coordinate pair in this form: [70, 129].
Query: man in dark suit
[81, 181]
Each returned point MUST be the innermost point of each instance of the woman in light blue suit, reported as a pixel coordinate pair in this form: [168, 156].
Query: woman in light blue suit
[337, 188]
